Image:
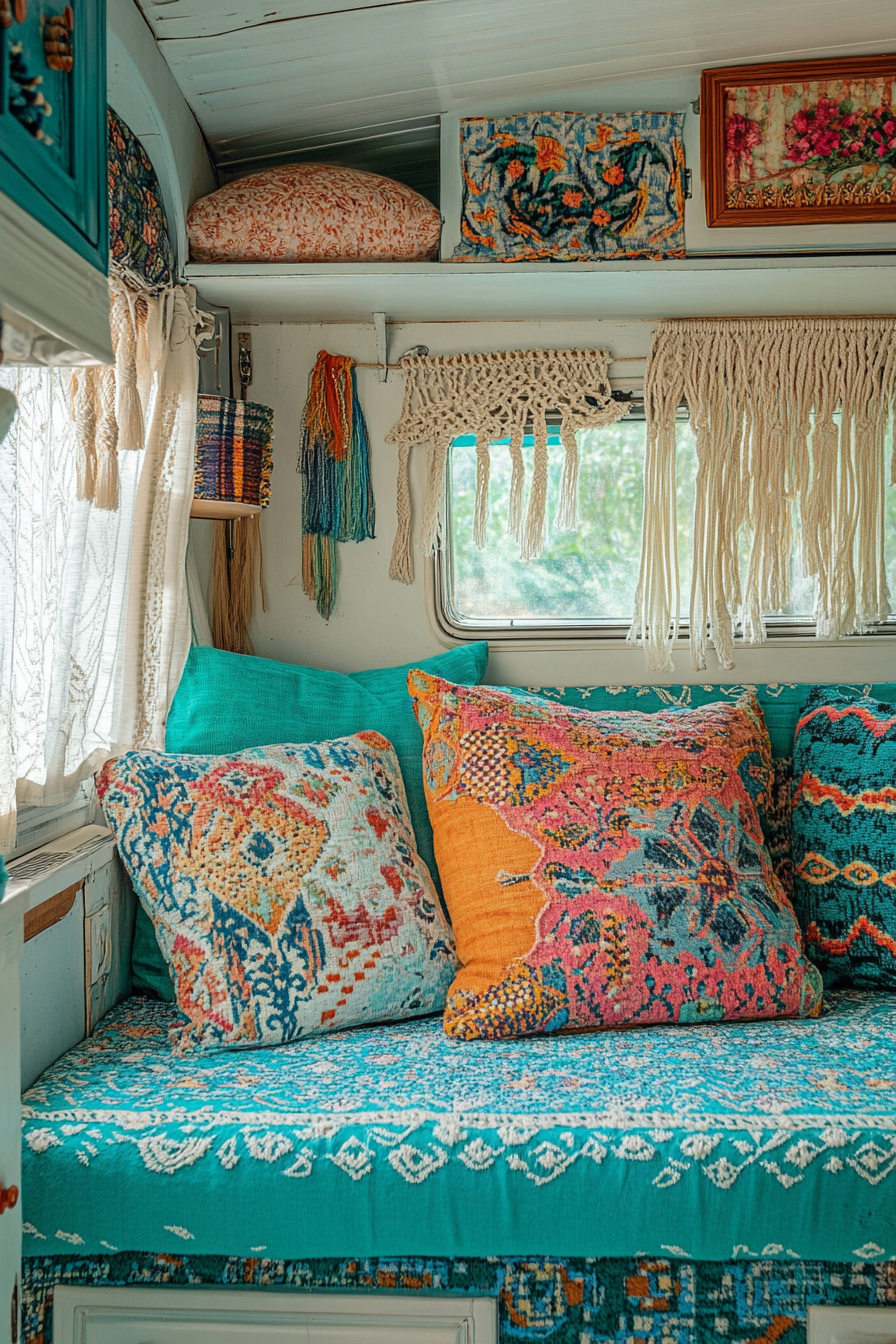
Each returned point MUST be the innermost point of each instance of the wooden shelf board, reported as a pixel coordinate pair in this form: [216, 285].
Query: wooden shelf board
[222, 509]
[446, 292]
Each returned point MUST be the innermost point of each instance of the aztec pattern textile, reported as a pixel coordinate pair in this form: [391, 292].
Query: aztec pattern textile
[844, 837]
[284, 885]
[561, 186]
[139, 243]
[541, 1299]
[313, 212]
[772, 1140]
[606, 869]
[233, 450]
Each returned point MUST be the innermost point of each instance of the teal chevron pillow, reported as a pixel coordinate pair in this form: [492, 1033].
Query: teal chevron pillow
[227, 702]
[844, 837]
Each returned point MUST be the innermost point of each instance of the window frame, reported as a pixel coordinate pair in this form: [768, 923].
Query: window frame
[613, 633]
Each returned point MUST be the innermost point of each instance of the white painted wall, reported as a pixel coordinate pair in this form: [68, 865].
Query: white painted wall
[378, 622]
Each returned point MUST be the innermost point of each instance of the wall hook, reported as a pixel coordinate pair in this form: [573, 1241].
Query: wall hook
[382, 354]
[244, 346]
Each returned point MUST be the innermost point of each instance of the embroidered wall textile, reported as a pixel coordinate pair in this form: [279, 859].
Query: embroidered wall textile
[560, 186]
[496, 396]
[791, 422]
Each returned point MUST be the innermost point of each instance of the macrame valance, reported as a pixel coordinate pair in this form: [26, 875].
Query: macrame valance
[790, 417]
[496, 396]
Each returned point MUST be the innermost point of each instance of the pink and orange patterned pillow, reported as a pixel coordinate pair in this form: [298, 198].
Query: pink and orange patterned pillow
[606, 869]
[313, 212]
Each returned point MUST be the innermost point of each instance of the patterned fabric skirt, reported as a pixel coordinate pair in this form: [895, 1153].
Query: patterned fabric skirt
[540, 1300]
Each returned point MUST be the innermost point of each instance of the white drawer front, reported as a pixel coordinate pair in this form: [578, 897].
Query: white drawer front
[852, 1325]
[244, 1316]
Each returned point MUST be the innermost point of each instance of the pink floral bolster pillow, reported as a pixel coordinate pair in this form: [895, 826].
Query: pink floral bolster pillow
[313, 212]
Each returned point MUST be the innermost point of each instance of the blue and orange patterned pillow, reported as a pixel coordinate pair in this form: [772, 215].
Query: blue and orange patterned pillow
[844, 837]
[285, 888]
[606, 869]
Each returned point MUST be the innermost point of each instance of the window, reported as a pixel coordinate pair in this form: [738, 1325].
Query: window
[586, 579]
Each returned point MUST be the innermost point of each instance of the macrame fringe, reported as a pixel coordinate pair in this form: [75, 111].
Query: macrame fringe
[106, 406]
[790, 418]
[400, 565]
[496, 396]
[236, 569]
[337, 502]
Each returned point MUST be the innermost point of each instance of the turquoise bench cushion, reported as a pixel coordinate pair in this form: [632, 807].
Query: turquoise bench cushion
[226, 702]
[771, 1140]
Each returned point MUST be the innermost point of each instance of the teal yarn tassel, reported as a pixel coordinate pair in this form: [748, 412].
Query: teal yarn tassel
[337, 503]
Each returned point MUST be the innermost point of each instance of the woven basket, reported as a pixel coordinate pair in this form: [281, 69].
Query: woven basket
[233, 457]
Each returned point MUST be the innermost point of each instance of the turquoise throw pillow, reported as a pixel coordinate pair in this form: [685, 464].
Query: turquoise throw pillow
[227, 702]
[844, 837]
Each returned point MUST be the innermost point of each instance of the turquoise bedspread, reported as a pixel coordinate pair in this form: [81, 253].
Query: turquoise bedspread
[772, 1140]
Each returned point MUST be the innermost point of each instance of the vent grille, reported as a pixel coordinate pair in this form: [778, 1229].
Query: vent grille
[32, 866]
[38, 864]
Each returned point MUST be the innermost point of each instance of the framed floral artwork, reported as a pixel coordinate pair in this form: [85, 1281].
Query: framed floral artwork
[805, 142]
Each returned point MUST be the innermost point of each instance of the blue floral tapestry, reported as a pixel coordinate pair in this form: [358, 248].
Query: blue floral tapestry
[562, 186]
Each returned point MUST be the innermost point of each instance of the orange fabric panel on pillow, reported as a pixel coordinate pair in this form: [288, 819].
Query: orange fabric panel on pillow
[313, 212]
[606, 869]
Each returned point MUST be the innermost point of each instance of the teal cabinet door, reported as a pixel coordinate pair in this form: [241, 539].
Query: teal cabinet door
[53, 118]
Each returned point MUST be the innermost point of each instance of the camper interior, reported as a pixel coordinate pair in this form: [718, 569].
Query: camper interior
[447, 730]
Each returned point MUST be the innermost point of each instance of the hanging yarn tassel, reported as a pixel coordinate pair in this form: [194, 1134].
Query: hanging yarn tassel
[236, 562]
[337, 503]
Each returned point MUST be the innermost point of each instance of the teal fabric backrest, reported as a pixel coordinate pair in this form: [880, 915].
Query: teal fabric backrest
[226, 702]
[781, 702]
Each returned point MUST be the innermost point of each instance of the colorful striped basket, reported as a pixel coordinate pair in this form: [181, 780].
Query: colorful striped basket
[233, 457]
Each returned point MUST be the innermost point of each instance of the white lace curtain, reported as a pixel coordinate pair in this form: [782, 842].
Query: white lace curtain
[94, 617]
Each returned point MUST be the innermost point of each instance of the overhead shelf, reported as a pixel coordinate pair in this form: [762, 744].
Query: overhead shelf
[448, 292]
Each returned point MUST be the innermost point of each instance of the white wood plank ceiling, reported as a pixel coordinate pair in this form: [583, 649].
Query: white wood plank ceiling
[363, 83]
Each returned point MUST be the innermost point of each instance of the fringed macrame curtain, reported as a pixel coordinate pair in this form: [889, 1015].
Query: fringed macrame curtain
[790, 416]
[496, 396]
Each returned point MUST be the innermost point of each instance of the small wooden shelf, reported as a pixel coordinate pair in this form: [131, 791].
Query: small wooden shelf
[222, 509]
[432, 291]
